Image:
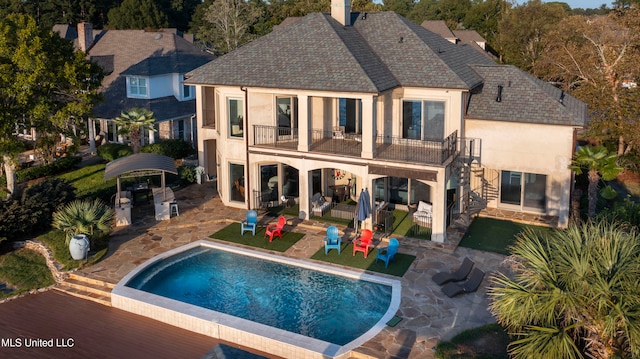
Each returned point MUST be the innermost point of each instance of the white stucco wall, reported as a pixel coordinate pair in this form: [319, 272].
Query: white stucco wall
[531, 148]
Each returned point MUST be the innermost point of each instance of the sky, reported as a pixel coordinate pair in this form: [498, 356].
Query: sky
[585, 4]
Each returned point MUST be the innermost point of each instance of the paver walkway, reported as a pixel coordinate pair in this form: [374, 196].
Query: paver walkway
[428, 315]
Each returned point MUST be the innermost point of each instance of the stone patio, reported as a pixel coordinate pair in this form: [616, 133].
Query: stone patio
[428, 316]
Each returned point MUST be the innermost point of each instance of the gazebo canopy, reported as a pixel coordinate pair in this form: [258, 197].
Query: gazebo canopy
[140, 164]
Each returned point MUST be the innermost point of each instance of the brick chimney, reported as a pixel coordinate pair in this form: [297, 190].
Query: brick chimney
[341, 11]
[85, 36]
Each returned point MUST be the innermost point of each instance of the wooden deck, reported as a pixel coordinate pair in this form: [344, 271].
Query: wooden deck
[94, 330]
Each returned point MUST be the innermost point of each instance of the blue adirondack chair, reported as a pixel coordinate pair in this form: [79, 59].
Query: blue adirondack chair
[387, 253]
[250, 223]
[332, 240]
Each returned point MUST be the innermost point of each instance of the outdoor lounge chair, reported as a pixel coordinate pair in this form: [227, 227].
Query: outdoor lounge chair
[332, 240]
[250, 223]
[363, 243]
[471, 285]
[275, 229]
[461, 273]
[388, 253]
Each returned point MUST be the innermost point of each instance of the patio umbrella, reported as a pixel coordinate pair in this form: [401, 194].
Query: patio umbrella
[363, 209]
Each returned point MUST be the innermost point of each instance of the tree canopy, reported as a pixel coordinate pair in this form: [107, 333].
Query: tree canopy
[574, 293]
[44, 84]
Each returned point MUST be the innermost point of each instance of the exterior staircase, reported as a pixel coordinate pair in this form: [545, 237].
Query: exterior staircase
[87, 288]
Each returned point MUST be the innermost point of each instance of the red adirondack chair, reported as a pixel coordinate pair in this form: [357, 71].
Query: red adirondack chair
[275, 229]
[363, 243]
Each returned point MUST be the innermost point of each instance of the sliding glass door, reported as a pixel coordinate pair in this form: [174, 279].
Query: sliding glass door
[523, 191]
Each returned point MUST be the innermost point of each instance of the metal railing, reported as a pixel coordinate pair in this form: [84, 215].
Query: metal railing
[272, 136]
[416, 151]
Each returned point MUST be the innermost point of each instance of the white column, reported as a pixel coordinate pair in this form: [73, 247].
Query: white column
[368, 127]
[439, 201]
[303, 123]
[92, 136]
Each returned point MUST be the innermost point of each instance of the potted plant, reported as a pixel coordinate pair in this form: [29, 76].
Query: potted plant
[79, 219]
[199, 172]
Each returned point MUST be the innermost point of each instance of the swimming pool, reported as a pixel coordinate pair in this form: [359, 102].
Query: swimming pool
[261, 300]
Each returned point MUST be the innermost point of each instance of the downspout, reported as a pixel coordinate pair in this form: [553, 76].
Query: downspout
[192, 130]
[246, 145]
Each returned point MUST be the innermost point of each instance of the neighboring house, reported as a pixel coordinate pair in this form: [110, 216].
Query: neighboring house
[372, 100]
[145, 69]
[469, 37]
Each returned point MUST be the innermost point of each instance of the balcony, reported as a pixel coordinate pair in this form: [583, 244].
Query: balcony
[416, 151]
[275, 137]
[338, 142]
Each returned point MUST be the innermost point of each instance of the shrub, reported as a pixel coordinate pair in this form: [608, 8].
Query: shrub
[32, 212]
[187, 175]
[62, 165]
[113, 151]
[174, 148]
[83, 217]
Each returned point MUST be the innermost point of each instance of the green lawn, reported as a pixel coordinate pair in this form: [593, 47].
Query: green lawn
[486, 342]
[231, 233]
[397, 267]
[25, 270]
[89, 182]
[494, 235]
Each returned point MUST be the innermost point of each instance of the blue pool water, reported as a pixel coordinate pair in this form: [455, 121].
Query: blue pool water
[316, 304]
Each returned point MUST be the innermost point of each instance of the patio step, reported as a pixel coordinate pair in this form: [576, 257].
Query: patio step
[87, 288]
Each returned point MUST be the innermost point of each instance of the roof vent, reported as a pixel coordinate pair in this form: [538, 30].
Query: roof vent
[401, 39]
[158, 36]
[562, 94]
[364, 16]
[499, 97]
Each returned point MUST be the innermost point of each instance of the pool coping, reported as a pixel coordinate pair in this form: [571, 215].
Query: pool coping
[241, 331]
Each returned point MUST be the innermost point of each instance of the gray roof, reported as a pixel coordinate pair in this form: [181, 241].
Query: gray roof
[378, 52]
[439, 27]
[143, 53]
[66, 31]
[524, 99]
[139, 162]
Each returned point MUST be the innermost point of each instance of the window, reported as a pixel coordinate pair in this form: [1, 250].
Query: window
[235, 110]
[287, 113]
[523, 191]
[186, 91]
[350, 115]
[422, 120]
[137, 86]
[236, 181]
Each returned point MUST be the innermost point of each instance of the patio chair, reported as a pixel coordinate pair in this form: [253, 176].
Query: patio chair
[363, 243]
[275, 229]
[471, 285]
[332, 240]
[250, 223]
[459, 274]
[387, 254]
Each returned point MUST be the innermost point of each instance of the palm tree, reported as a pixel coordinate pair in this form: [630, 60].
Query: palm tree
[573, 293]
[83, 217]
[133, 122]
[597, 161]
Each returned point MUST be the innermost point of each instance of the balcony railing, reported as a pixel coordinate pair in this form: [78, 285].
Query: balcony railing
[338, 142]
[272, 136]
[416, 151]
[386, 147]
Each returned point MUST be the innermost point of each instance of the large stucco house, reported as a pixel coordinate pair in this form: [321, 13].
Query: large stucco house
[144, 69]
[348, 101]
